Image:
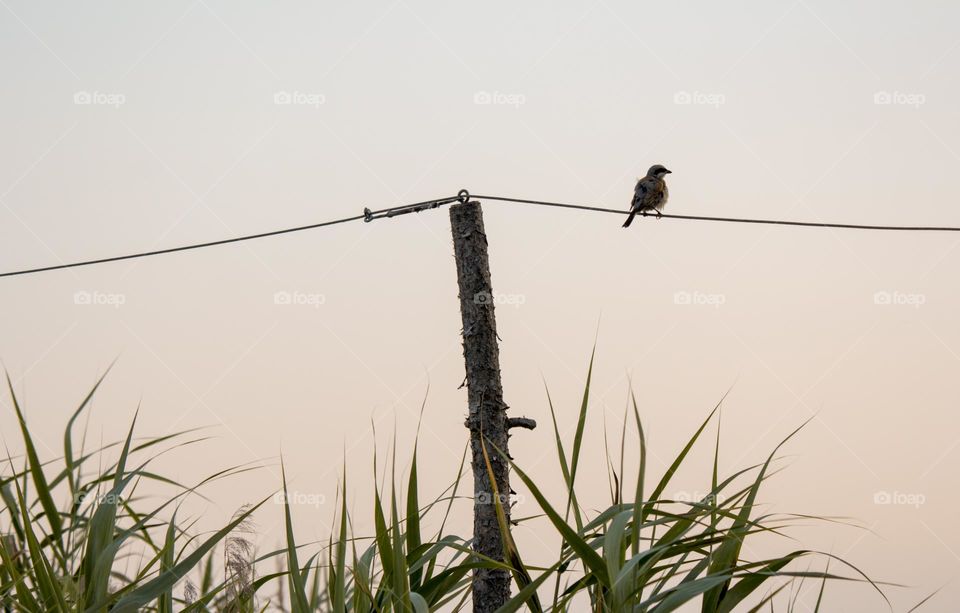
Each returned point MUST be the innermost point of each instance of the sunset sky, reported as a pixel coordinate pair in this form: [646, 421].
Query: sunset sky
[135, 126]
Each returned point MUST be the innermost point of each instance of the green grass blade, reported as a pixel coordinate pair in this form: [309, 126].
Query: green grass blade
[924, 601]
[683, 454]
[340, 554]
[768, 599]
[577, 444]
[68, 460]
[590, 558]
[614, 546]
[100, 550]
[638, 499]
[151, 590]
[295, 580]
[564, 467]
[823, 585]
[510, 552]
[527, 593]
[749, 584]
[45, 580]
[43, 490]
[414, 539]
[729, 552]
[24, 594]
[400, 576]
[165, 600]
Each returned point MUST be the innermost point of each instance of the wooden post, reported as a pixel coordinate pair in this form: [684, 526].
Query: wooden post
[486, 409]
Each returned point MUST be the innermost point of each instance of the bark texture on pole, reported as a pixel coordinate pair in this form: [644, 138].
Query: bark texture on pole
[491, 588]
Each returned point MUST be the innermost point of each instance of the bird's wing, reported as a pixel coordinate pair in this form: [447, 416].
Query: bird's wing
[648, 193]
[640, 194]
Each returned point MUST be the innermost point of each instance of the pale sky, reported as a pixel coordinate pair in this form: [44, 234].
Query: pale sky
[134, 126]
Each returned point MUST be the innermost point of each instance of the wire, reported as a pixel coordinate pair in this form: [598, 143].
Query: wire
[777, 222]
[464, 196]
[392, 211]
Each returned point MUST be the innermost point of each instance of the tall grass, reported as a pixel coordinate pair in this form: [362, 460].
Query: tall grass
[72, 525]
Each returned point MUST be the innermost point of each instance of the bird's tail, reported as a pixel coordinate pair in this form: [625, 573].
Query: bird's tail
[629, 220]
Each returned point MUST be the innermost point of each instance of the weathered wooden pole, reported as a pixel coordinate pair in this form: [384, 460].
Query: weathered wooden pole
[486, 409]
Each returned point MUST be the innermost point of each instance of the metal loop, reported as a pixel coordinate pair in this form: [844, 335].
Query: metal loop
[463, 196]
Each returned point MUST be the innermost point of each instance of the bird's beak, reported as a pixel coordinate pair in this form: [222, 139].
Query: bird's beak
[668, 172]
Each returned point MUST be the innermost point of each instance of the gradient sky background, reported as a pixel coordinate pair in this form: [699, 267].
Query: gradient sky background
[783, 122]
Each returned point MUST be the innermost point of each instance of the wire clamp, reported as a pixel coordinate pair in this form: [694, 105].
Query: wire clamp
[369, 215]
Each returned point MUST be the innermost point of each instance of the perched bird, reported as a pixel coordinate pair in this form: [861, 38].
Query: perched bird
[650, 194]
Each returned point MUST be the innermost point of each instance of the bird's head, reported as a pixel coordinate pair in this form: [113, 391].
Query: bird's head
[659, 171]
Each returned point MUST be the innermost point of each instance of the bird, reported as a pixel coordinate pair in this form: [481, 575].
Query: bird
[650, 194]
